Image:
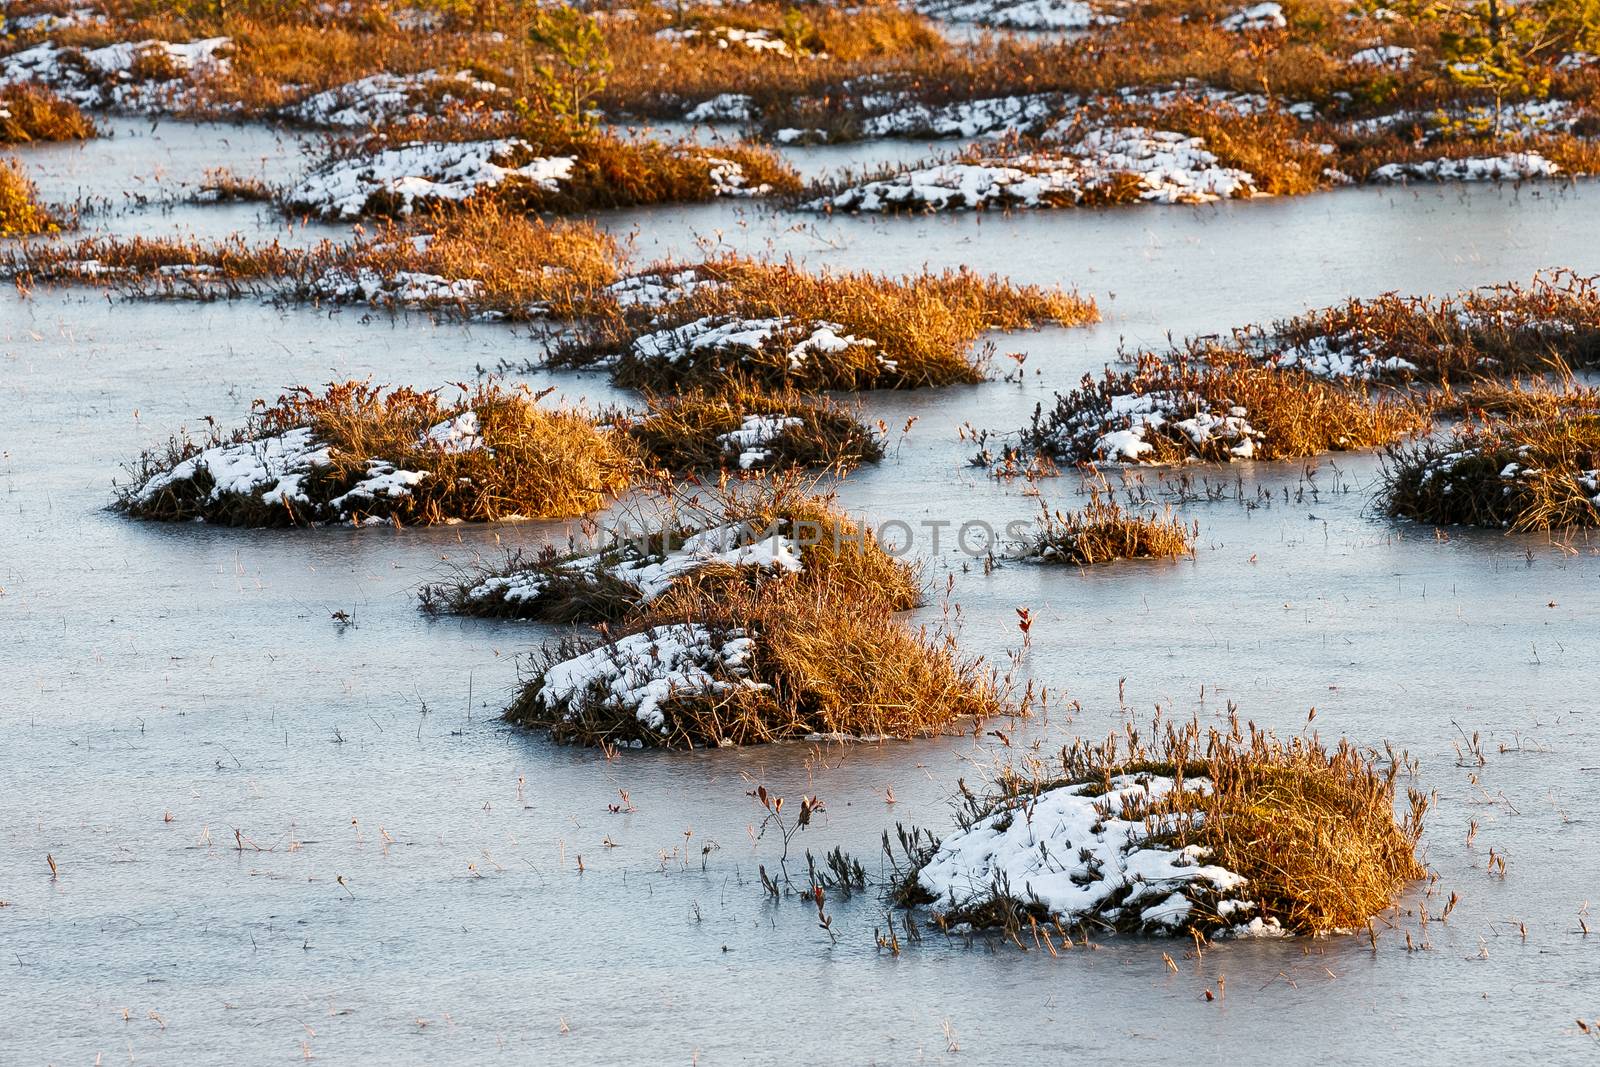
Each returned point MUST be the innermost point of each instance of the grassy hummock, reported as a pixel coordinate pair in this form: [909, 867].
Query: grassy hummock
[777, 324]
[1206, 404]
[734, 532]
[1551, 324]
[355, 452]
[788, 652]
[1102, 532]
[397, 173]
[1535, 468]
[1203, 832]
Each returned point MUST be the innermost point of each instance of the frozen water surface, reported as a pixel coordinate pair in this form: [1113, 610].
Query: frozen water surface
[277, 836]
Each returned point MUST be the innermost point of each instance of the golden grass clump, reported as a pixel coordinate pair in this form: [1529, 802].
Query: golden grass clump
[882, 332]
[1535, 468]
[1102, 532]
[1305, 835]
[355, 452]
[643, 556]
[789, 654]
[31, 112]
[1208, 403]
[743, 427]
[21, 214]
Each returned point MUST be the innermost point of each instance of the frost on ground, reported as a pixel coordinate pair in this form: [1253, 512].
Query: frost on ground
[1508, 167]
[1074, 855]
[1017, 14]
[1111, 164]
[629, 571]
[398, 180]
[384, 98]
[641, 676]
[141, 76]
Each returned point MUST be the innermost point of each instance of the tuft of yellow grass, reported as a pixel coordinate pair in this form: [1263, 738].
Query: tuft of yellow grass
[1102, 532]
[30, 112]
[21, 214]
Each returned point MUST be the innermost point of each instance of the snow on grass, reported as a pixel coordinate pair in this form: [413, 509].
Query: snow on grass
[1167, 167]
[757, 431]
[274, 469]
[1388, 55]
[715, 333]
[968, 118]
[724, 107]
[269, 468]
[642, 674]
[1263, 16]
[659, 288]
[1135, 417]
[126, 76]
[1341, 358]
[413, 174]
[1070, 852]
[382, 98]
[1508, 167]
[648, 572]
[726, 37]
[402, 289]
[1017, 14]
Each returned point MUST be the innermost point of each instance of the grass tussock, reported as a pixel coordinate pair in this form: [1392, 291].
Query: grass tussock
[31, 113]
[1551, 324]
[742, 427]
[791, 654]
[1529, 460]
[719, 535]
[358, 452]
[1209, 404]
[1102, 532]
[1305, 834]
[21, 214]
[881, 332]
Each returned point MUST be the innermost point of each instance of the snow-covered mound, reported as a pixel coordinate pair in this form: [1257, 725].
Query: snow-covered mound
[142, 76]
[1072, 854]
[1165, 167]
[639, 676]
[383, 98]
[397, 180]
[288, 477]
[714, 335]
